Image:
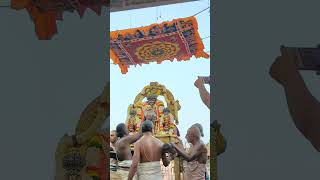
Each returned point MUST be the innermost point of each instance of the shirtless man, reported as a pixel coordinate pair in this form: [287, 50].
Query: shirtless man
[147, 154]
[196, 157]
[113, 140]
[123, 149]
[303, 107]
[202, 135]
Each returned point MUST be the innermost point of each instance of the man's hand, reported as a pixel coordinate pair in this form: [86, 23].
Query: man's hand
[173, 153]
[284, 68]
[303, 107]
[176, 145]
[199, 82]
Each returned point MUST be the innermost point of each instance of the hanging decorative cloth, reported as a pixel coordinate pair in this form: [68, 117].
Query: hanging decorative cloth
[178, 39]
[45, 13]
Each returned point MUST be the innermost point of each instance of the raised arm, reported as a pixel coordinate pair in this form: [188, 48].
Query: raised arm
[135, 161]
[133, 138]
[303, 107]
[204, 94]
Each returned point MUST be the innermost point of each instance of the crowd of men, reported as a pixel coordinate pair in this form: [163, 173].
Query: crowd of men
[145, 161]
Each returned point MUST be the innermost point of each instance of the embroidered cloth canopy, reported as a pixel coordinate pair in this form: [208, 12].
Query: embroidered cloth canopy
[45, 13]
[178, 39]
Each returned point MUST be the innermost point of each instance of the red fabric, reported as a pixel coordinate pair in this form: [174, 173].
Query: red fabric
[45, 22]
[178, 39]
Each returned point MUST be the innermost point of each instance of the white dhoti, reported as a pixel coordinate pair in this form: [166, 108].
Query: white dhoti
[149, 171]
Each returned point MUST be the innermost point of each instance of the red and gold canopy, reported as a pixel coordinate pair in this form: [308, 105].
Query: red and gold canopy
[45, 13]
[178, 39]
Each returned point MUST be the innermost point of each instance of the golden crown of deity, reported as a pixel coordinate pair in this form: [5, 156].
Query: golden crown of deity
[151, 96]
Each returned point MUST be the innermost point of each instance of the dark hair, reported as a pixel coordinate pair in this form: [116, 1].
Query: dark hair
[166, 148]
[147, 126]
[121, 130]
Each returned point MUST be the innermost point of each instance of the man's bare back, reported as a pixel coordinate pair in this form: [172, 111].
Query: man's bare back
[150, 148]
[147, 155]
[123, 147]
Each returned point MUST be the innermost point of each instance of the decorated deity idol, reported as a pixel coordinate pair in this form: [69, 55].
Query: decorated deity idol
[151, 100]
[132, 121]
[139, 116]
[153, 108]
[150, 114]
[167, 122]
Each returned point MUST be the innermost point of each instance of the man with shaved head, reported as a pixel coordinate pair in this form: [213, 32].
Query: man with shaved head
[148, 151]
[123, 151]
[202, 135]
[113, 140]
[200, 128]
[196, 157]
